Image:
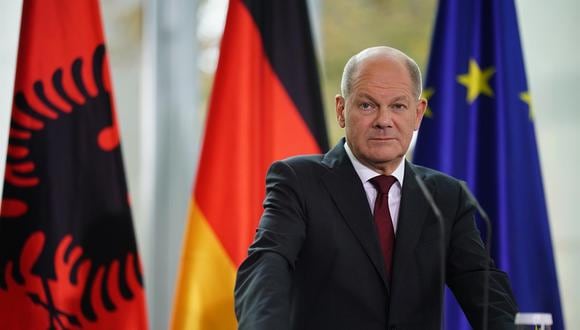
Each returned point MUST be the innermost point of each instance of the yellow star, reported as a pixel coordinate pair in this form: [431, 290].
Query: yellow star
[476, 81]
[527, 98]
[427, 93]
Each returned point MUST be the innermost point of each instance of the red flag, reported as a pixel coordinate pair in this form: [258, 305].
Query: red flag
[265, 105]
[68, 256]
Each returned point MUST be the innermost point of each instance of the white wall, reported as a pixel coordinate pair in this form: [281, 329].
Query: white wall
[9, 30]
[551, 47]
[551, 43]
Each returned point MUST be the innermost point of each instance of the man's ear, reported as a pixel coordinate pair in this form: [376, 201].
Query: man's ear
[421, 107]
[340, 104]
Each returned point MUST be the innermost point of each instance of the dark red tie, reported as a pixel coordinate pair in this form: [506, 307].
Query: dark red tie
[382, 216]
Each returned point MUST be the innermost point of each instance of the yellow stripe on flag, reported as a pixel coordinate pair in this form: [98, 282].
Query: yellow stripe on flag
[205, 291]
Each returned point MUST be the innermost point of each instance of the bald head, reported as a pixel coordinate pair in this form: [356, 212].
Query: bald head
[351, 67]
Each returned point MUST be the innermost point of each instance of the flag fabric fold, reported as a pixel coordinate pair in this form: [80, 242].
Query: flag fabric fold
[479, 127]
[68, 255]
[265, 105]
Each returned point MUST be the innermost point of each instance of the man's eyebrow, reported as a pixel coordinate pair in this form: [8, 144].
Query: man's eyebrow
[399, 98]
[404, 98]
[368, 96]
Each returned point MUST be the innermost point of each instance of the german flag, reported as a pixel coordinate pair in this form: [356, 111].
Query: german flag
[265, 105]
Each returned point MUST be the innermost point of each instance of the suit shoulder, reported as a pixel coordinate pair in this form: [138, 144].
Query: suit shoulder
[305, 168]
[303, 162]
[430, 174]
[446, 189]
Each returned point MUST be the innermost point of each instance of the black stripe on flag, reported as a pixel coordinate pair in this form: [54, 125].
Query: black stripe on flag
[288, 45]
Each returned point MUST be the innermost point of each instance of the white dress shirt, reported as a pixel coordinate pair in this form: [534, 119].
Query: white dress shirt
[365, 174]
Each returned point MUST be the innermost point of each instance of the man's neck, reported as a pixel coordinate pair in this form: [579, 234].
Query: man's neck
[365, 171]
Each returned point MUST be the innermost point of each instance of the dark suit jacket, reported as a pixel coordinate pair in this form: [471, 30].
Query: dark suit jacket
[316, 263]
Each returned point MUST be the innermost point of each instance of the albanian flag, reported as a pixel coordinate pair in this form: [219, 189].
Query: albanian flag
[265, 105]
[68, 256]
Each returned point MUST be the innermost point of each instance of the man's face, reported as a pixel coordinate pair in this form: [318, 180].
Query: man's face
[381, 112]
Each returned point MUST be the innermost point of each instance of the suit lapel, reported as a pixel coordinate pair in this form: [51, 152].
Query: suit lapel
[346, 189]
[412, 213]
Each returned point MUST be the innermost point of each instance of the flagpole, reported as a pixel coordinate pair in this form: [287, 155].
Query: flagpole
[171, 130]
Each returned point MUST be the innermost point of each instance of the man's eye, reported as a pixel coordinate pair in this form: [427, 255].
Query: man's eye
[366, 106]
[399, 106]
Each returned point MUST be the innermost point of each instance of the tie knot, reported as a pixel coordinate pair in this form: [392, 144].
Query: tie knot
[383, 183]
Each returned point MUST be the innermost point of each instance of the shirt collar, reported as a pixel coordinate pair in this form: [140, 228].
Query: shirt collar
[365, 173]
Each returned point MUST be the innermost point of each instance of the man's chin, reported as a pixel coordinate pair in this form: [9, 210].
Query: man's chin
[384, 160]
[385, 156]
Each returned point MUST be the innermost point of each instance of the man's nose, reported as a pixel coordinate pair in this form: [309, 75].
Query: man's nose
[384, 118]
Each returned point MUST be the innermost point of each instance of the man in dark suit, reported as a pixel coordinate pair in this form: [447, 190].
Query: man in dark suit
[348, 241]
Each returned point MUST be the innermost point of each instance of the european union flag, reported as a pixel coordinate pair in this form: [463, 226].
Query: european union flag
[480, 128]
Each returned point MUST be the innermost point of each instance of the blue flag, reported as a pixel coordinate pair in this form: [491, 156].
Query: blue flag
[479, 127]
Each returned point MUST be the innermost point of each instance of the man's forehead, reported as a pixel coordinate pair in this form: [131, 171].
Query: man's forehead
[382, 62]
[378, 78]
